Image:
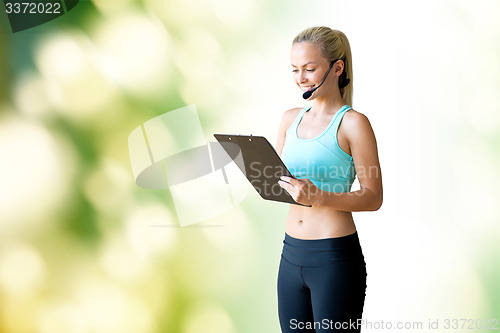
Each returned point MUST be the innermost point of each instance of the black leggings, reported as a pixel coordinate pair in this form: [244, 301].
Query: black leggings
[321, 284]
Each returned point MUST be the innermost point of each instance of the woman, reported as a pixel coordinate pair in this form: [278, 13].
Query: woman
[322, 274]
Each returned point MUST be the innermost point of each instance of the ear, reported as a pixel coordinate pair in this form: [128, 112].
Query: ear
[338, 68]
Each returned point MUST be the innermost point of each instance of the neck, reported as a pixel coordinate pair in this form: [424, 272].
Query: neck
[328, 103]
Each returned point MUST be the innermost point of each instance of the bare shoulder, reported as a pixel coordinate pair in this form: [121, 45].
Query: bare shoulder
[288, 117]
[356, 125]
[353, 120]
[352, 117]
[286, 121]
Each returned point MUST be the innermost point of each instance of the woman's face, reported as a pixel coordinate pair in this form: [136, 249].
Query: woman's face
[309, 68]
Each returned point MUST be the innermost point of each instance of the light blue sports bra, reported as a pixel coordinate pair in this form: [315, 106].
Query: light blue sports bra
[319, 159]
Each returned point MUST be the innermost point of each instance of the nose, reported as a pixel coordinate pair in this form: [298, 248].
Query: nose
[302, 77]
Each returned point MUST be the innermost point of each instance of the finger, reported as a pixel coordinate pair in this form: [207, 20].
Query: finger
[289, 189]
[291, 180]
[285, 185]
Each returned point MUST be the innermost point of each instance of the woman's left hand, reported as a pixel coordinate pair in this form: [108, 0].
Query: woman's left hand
[302, 191]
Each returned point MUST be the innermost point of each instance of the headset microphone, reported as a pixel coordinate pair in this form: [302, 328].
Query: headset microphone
[308, 93]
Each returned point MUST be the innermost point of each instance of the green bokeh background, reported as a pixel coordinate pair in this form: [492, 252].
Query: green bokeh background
[83, 249]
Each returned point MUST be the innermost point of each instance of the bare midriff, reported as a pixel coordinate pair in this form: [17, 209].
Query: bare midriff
[318, 222]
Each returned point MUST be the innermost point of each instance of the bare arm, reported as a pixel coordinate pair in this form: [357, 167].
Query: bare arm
[364, 151]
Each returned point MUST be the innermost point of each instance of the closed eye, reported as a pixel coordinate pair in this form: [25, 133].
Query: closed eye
[307, 70]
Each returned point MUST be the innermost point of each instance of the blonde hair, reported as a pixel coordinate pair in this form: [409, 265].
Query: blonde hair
[334, 45]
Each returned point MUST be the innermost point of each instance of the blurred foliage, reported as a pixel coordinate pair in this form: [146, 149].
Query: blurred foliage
[83, 249]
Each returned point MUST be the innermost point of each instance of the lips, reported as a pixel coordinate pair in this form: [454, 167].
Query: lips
[306, 88]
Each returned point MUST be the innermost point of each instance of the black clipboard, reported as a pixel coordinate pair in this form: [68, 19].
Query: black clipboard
[261, 164]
